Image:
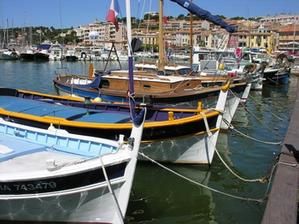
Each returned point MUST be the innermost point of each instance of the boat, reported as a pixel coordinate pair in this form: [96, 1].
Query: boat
[255, 75]
[277, 75]
[233, 99]
[232, 104]
[151, 86]
[56, 52]
[295, 67]
[42, 52]
[71, 56]
[9, 54]
[27, 55]
[108, 120]
[50, 175]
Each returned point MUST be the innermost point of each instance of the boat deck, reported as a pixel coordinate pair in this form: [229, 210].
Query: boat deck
[42, 109]
[17, 156]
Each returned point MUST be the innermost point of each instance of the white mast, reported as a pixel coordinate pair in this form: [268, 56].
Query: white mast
[129, 26]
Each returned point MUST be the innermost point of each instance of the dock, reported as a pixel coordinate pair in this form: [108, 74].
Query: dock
[282, 204]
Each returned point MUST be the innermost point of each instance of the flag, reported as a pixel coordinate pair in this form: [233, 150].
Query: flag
[113, 13]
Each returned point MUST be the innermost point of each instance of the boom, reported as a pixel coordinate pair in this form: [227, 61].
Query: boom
[204, 14]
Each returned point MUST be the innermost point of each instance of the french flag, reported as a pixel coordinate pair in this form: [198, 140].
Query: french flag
[113, 13]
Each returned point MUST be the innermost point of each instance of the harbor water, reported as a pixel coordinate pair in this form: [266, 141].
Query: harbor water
[201, 194]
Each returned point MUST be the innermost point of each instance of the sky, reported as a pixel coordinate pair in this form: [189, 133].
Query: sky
[73, 13]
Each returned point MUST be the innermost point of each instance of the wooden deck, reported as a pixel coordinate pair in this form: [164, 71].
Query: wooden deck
[282, 204]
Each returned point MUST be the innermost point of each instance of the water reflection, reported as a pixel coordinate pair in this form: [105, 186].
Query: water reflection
[161, 197]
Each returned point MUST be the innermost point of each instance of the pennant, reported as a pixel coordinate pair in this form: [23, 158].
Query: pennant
[113, 13]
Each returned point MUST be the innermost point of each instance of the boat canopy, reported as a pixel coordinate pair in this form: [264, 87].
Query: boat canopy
[204, 14]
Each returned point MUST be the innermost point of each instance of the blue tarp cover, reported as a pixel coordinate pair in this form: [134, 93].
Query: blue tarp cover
[38, 108]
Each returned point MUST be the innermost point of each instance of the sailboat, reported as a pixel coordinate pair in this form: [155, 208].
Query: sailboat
[9, 54]
[51, 175]
[151, 86]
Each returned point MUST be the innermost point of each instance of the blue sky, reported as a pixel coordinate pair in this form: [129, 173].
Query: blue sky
[67, 13]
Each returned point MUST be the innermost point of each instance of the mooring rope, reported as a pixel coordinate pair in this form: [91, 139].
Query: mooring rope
[200, 184]
[206, 123]
[261, 180]
[272, 172]
[249, 137]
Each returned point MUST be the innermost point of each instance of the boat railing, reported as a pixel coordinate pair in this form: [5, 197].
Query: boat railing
[62, 141]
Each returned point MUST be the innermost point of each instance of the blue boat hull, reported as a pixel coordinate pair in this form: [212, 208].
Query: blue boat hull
[281, 77]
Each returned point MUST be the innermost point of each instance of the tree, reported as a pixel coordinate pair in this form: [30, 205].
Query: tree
[222, 16]
[148, 16]
[238, 18]
[181, 17]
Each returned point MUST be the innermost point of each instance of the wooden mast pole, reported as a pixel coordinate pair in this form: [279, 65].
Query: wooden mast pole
[191, 38]
[161, 61]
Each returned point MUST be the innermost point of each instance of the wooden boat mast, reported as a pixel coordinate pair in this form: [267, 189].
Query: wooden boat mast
[191, 38]
[161, 61]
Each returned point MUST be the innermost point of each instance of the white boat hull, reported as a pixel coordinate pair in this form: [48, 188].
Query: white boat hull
[231, 106]
[87, 205]
[59, 181]
[197, 149]
[257, 81]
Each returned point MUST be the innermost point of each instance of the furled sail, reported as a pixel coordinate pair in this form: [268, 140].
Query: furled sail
[204, 14]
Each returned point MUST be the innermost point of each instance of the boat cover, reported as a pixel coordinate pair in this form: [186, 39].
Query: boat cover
[39, 108]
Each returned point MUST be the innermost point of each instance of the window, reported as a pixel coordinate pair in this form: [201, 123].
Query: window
[104, 84]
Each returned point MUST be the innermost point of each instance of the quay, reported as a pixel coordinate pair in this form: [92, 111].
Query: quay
[282, 205]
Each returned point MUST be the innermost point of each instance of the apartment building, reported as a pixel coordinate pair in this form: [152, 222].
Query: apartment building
[281, 19]
[289, 39]
[268, 33]
[98, 34]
